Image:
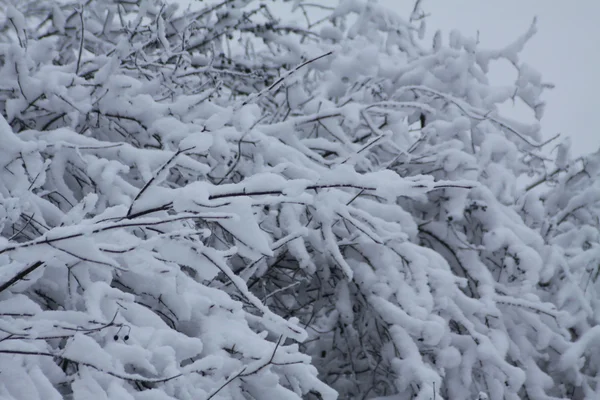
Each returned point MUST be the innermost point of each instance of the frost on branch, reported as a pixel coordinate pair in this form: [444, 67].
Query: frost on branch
[218, 204]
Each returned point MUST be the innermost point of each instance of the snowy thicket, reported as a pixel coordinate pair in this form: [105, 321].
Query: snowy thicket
[568, 216]
[217, 204]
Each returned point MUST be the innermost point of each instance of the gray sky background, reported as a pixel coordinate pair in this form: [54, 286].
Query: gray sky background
[566, 50]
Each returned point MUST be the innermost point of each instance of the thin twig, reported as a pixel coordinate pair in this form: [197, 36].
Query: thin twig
[283, 78]
[80, 42]
[330, 186]
[21, 275]
[154, 177]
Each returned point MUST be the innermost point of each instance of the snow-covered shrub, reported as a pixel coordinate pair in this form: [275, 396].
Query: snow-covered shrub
[112, 285]
[564, 204]
[218, 204]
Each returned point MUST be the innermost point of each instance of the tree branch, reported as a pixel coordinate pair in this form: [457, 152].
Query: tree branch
[21, 275]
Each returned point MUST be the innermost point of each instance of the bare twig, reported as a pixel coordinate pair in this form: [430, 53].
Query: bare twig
[80, 11]
[330, 186]
[21, 275]
[253, 97]
[154, 177]
[243, 372]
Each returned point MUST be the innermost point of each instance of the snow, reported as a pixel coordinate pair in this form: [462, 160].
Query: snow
[212, 213]
[86, 350]
[17, 19]
[572, 358]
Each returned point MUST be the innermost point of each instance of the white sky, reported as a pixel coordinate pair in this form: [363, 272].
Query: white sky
[566, 50]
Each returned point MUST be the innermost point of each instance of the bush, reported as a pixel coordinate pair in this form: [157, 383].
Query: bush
[215, 203]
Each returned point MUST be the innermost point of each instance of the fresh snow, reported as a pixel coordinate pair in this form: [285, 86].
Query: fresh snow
[231, 202]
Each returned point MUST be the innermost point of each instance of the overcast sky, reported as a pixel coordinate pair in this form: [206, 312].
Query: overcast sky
[566, 50]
